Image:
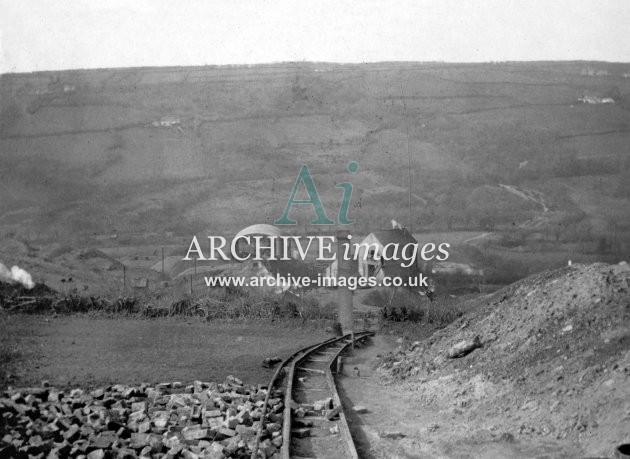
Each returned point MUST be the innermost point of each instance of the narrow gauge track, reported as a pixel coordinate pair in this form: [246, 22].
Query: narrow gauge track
[314, 424]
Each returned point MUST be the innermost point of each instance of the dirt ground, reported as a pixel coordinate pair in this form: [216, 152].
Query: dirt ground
[76, 351]
[424, 431]
[552, 378]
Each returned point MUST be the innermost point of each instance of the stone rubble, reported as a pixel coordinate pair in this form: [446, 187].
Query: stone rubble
[168, 420]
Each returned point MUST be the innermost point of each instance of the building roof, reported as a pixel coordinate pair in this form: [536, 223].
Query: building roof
[260, 228]
[400, 236]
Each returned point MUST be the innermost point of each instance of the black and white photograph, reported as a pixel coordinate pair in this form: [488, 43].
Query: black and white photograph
[314, 229]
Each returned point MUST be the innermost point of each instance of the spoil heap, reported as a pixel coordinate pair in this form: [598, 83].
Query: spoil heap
[546, 357]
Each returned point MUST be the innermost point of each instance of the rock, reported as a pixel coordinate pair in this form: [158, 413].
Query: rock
[530, 405]
[267, 448]
[138, 406]
[234, 380]
[144, 427]
[322, 404]
[244, 417]
[194, 433]
[245, 431]
[125, 453]
[155, 443]
[463, 348]
[230, 423]
[161, 421]
[98, 394]
[271, 361]
[73, 433]
[331, 414]
[96, 454]
[105, 440]
[139, 440]
[137, 416]
[214, 451]
[223, 432]
[273, 427]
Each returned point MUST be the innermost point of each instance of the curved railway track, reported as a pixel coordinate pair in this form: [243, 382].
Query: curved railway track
[314, 424]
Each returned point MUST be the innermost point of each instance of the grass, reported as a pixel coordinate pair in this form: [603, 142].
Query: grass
[88, 352]
[406, 306]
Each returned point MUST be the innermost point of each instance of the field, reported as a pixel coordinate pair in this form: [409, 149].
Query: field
[89, 352]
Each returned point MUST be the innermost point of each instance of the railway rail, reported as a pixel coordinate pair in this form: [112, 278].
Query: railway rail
[314, 424]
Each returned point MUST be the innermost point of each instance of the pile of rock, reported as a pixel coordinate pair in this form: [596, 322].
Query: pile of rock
[201, 420]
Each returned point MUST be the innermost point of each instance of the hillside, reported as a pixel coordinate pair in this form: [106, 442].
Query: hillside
[154, 153]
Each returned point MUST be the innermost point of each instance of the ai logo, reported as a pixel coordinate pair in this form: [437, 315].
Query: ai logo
[304, 177]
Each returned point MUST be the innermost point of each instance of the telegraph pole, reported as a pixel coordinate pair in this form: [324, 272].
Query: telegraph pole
[344, 294]
[195, 276]
[162, 264]
[402, 98]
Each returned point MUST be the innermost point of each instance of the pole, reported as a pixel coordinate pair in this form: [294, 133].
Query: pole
[191, 285]
[402, 96]
[162, 264]
[344, 294]
[409, 174]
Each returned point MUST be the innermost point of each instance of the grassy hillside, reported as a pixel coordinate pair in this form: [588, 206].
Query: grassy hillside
[506, 148]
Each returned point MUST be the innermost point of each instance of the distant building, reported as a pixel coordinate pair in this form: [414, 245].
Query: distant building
[367, 261]
[265, 232]
[591, 71]
[586, 99]
[168, 121]
[140, 284]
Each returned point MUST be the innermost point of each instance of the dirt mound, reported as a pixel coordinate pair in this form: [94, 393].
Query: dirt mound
[554, 359]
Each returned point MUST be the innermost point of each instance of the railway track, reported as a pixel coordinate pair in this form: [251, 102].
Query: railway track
[314, 424]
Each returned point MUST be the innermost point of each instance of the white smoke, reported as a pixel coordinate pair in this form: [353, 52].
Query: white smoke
[396, 225]
[16, 274]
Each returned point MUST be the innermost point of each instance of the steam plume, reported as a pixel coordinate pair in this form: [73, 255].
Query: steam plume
[16, 274]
